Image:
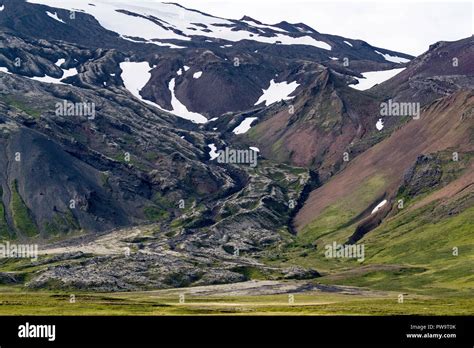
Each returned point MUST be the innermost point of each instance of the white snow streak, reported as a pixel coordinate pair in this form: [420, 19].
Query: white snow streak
[4, 70]
[55, 16]
[373, 78]
[244, 126]
[213, 153]
[277, 91]
[181, 110]
[379, 206]
[66, 73]
[393, 59]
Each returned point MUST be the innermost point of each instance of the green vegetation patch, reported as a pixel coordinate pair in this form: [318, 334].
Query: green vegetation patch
[62, 223]
[22, 218]
[151, 303]
[3, 222]
[154, 213]
[22, 106]
[335, 218]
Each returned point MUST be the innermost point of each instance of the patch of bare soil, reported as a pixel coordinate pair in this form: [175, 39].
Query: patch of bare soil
[265, 287]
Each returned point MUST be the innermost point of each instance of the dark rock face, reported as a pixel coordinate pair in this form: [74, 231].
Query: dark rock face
[445, 68]
[423, 176]
[369, 223]
[300, 273]
[71, 158]
[10, 279]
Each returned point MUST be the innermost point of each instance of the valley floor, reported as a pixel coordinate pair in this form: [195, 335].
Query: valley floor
[247, 298]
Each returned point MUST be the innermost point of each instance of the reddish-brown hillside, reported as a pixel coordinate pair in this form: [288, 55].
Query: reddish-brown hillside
[447, 123]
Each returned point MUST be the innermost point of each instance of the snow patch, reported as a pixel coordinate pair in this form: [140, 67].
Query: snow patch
[379, 206]
[177, 19]
[163, 44]
[244, 126]
[348, 43]
[2, 8]
[379, 125]
[181, 110]
[277, 91]
[60, 62]
[66, 73]
[262, 26]
[373, 78]
[106, 13]
[197, 75]
[55, 16]
[287, 40]
[303, 30]
[69, 73]
[213, 153]
[135, 75]
[4, 70]
[394, 59]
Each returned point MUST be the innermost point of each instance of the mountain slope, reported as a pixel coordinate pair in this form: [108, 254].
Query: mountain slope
[332, 119]
[443, 69]
[171, 38]
[134, 195]
[439, 128]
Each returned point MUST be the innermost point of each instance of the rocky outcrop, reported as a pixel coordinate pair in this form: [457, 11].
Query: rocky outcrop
[423, 176]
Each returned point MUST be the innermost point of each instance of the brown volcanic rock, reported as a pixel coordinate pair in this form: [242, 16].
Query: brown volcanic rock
[328, 117]
[440, 127]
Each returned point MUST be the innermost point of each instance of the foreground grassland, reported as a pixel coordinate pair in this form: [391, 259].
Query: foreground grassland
[168, 303]
[423, 251]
